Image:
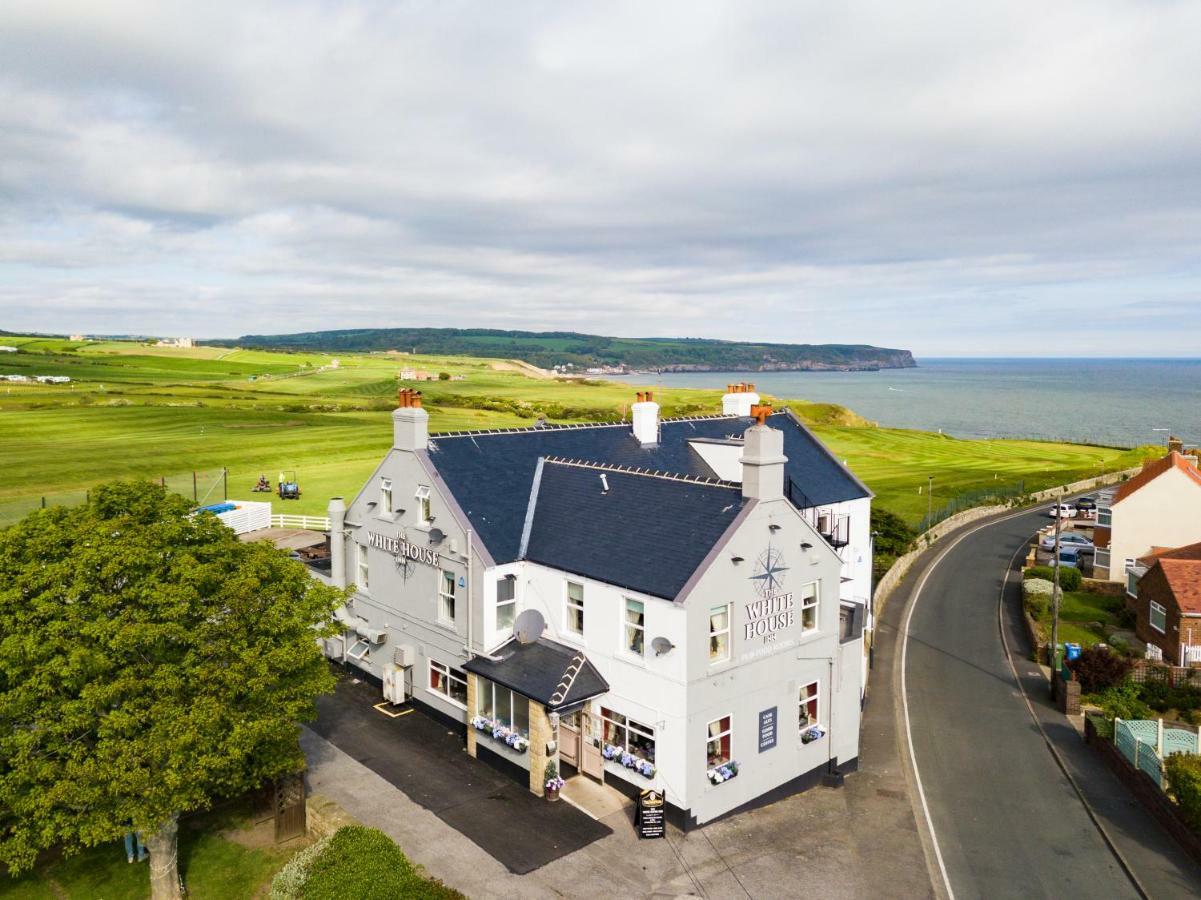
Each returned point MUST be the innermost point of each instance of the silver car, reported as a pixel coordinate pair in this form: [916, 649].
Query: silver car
[1066, 539]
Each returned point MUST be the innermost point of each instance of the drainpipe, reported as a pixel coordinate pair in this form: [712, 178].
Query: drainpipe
[470, 606]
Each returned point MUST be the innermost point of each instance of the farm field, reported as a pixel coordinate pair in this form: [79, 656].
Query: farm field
[133, 410]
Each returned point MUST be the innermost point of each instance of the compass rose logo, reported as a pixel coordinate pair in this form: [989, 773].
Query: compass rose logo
[770, 570]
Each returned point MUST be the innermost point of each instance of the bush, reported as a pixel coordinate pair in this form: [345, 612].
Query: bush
[1069, 579]
[1036, 586]
[1038, 605]
[358, 862]
[1097, 669]
[1184, 784]
[1162, 696]
[1122, 701]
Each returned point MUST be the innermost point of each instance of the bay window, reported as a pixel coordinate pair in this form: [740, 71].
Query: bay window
[502, 707]
[627, 734]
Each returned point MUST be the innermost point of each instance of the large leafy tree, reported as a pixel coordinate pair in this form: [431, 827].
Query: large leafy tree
[150, 663]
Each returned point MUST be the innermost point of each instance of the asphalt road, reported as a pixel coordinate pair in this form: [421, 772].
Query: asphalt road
[1006, 818]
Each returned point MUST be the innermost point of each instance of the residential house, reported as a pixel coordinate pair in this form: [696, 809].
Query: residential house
[1167, 597]
[1158, 507]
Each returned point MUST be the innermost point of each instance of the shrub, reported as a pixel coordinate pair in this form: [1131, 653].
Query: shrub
[1184, 784]
[1038, 605]
[358, 862]
[1122, 701]
[1069, 579]
[1036, 586]
[1162, 696]
[1098, 669]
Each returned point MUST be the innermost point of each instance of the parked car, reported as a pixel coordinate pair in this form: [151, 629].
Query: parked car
[1066, 539]
[1063, 510]
[1069, 557]
[1086, 504]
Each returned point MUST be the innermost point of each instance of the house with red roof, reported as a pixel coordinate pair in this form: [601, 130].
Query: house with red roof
[1168, 603]
[1158, 507]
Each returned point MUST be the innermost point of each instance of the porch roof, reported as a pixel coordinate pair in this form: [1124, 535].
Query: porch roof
[545, 671]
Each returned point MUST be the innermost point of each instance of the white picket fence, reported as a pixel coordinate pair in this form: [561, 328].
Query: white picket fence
[308, 523]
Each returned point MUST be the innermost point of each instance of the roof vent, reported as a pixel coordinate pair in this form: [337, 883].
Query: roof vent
[604, 483]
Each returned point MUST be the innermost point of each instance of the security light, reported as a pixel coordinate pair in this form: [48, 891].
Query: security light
[735, 559]
[805, 545]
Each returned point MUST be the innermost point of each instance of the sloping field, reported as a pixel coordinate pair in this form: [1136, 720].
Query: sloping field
[133, 410]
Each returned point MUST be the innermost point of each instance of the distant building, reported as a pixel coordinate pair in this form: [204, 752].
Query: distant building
[1167, 599]
[52, 379]
[417, 375]
[8, 349]
[14, 377]
[78, 338]
[184, 343]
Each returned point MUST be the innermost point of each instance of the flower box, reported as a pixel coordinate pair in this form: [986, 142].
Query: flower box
[812, 733]
[507, 736]
[616, 754]
[724, 772]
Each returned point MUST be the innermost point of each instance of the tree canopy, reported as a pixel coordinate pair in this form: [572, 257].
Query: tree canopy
[150, 663]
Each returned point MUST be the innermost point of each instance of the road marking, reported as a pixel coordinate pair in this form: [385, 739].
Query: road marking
[917, 776]
[1109, 842]
[379, 707]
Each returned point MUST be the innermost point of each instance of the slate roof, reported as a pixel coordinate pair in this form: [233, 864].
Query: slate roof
[1153, 470]
[490, 474]
[657, 530]
[545, 671]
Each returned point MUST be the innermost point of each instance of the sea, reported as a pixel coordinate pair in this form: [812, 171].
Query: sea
[1114, 402]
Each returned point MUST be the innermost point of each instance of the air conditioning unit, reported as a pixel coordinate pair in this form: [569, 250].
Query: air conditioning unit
[374, 635]
[394, 683]
[333, 647]
[404, 656]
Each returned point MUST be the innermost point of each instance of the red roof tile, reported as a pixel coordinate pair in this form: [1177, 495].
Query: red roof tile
[1184, 578]
[1153, 470]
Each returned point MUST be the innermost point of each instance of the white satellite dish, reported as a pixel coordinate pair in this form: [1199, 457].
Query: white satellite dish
[529, 626]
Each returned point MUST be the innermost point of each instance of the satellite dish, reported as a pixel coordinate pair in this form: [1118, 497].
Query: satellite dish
[437, 536]
[662, 645]
[529, 626]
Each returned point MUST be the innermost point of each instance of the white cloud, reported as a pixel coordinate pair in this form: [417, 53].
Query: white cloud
[947, 178]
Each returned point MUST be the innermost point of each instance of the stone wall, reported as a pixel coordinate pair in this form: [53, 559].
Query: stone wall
[472, 689]
[541, 734]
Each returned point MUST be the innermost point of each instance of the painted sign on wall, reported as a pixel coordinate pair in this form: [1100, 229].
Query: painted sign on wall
[767, 729]
[775, 609]
[402, 548]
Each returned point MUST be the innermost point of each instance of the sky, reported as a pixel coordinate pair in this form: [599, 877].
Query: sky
[984, 178]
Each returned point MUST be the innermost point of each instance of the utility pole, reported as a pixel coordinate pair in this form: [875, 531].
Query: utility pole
[1055, 590]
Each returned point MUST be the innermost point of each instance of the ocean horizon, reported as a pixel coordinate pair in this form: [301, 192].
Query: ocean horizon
[1114, 401]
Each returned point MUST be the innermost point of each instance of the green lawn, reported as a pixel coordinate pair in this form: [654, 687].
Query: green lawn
[219, 857]
[1077, 610]
[136, 410]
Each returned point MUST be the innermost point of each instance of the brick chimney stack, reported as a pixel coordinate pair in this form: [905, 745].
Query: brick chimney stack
[410, 423]
[763, 458]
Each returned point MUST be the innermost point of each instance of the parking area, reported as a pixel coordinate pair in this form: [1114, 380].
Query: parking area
[428, 762]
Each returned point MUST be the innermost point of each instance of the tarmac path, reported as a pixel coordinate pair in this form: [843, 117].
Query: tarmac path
[1007, 820]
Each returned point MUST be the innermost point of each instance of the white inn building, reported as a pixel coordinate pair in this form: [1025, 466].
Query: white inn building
[673, 603]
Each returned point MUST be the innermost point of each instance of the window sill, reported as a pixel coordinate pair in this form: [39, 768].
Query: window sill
[639, 661]
[446, 699]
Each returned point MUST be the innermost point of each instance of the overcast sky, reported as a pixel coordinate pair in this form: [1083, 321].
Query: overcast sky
[971, 178]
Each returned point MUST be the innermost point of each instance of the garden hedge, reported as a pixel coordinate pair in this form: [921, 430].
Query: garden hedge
[1184, 782]
[1069, 579]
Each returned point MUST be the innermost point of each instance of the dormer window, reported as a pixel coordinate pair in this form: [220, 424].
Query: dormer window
[423, 505]
[385, 498]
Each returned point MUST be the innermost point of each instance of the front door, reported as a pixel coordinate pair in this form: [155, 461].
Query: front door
[569, 739]
[591, 761]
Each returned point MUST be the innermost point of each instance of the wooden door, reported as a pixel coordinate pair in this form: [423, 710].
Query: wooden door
[591, 761]
[569, 739]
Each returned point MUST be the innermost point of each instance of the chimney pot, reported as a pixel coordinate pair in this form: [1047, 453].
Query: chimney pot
[416, 399]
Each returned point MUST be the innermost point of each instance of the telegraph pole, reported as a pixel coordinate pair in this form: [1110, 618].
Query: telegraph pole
[1055, 589]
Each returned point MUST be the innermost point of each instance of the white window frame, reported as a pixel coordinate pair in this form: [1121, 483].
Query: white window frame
[813, 603]
[448, 673]
[512, 602]
[569, 605]
[1163, 611]
[363, 567]
[384, 509]
[483, 685]
[1130, 561]
[816, 697]
[627, 625]
[627, 725]
[728, 610]
[363, 647]
[729, 732]
[1104, 517]
[444, 597]
[425, 513]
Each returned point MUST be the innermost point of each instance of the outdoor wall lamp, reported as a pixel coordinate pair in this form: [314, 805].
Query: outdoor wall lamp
[735, 559]
[805, 545]
[773, 527]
